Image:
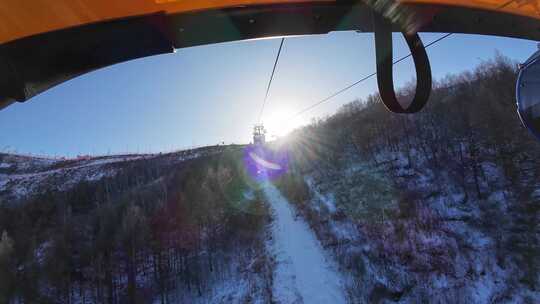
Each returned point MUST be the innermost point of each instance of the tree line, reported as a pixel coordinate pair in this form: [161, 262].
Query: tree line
[130, 238]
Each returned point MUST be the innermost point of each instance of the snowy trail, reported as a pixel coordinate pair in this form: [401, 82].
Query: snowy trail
[303, 273]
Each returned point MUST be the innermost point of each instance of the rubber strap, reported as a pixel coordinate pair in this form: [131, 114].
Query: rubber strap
[385, 78]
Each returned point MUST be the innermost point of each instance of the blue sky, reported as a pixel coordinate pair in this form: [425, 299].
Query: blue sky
[211, 94]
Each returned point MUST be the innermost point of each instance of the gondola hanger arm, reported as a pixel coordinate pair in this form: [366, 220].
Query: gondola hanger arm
[384, 60]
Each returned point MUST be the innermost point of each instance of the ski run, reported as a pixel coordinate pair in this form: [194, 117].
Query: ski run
[303, 274]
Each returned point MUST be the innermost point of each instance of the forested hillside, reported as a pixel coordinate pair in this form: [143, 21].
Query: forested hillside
[161, 228]
[441, 206]
[438, 207]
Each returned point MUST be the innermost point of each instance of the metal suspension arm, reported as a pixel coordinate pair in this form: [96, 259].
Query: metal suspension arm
[385, 79]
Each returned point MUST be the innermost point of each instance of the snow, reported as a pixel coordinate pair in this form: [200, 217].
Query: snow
[233, 281]
[536, 194]
[106, 160]
[328, 200]
[231, 290]
[3, 181]
[303, 272]
[344, 230]
[23, 184]
[32, 173]
[249, 195]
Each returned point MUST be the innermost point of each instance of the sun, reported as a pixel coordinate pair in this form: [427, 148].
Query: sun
[280, 122]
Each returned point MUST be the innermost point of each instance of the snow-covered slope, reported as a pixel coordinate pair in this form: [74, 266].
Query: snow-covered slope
[304, 273]
[24, 176]
[132, 229]
[211, 270]
[407, 234]
[368, 231]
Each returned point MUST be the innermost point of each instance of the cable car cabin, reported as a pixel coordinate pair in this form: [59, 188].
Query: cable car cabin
[63, 39]
[259, 135]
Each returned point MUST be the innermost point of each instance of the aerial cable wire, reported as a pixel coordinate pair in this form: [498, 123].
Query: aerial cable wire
[362, 80]
[271, 79]
[326, 99]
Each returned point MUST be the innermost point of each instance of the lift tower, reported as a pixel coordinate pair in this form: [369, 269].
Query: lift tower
[259, 135]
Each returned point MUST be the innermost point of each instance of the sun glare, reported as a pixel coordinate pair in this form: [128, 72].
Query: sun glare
[279, 122]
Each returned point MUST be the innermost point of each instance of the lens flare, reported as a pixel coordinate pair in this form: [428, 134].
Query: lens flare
[264, 163]
[279, 122]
